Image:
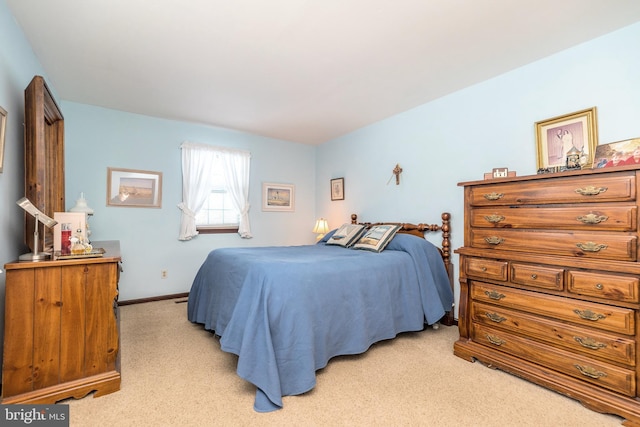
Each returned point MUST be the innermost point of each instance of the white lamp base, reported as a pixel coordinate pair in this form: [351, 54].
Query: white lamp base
[41, 256]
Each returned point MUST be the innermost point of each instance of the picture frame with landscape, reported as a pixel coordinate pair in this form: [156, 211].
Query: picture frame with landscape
[134, 188]
[557, 136]
[278, 197]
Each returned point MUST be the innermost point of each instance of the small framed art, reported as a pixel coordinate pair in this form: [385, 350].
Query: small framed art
[558, 137]
[3, 132]
[337, 189]
[134, 188]
[278, 197]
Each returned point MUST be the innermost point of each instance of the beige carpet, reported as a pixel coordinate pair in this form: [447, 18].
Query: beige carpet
[174, 374]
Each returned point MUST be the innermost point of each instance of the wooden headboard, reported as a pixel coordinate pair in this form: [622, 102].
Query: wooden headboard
[420, 230]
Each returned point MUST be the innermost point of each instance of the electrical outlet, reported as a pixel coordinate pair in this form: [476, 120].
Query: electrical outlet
[164, 274]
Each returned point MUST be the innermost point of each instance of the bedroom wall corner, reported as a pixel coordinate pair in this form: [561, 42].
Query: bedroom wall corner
[491, 124]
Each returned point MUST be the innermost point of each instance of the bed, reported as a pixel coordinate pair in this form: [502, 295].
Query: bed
[285, 311]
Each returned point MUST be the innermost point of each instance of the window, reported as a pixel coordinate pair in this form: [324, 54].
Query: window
[215, 189]
[218, 214]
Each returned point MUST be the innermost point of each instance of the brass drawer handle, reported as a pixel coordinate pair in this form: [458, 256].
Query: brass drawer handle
[589, 315]
[599, 286]
[591, 246]
[494, 219]
[589, 343]
[495, 340]
[590, 372]
[534, 276]
[592, 218]
[495, 317]
[493, 240]
[494, 295]
[493, 196]
[591, 190]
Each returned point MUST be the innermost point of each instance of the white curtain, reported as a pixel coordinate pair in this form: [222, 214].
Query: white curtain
[236, 175]
[197, 178]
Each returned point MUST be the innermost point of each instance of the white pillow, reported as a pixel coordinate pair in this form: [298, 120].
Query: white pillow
[346, 235]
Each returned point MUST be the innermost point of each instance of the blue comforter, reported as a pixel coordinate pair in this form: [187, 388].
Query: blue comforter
[285, 311]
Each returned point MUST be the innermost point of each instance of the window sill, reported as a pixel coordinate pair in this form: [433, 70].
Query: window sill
[217, 230]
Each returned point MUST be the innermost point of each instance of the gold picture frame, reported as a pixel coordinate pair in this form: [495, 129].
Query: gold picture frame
[555, 137]
[3, 133]
[134, 188]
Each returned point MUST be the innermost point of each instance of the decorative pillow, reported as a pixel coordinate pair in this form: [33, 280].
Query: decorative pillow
[327, 236]
[377, 237]
[346, 235]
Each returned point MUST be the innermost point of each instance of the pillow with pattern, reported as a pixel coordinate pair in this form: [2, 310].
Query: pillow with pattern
[346, 235]
[377, 237]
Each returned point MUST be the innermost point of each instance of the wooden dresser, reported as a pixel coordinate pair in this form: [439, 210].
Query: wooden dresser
[61, 334]
[549, 283]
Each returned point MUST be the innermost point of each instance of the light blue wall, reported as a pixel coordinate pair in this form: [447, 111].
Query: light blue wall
[18, 65]
[461, 136]
[455, 138]
[98, 138]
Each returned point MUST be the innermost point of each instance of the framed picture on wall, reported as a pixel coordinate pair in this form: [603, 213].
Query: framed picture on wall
[134, 188]
[278, 197]
[337, 189]
[3, 132]
[558, 136]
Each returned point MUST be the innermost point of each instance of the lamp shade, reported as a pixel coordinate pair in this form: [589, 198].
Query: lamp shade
[81, 206]
[321, 226]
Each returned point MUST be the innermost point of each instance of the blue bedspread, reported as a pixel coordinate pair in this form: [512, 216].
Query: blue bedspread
[285, 311]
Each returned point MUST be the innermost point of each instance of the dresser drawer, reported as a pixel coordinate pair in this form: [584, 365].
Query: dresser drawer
[537, 276]
[611, 246]
[615, 187]
[486, 268]
[588, 341]
[594, 315]
[606, 217]
[609, 286]
[593, 371]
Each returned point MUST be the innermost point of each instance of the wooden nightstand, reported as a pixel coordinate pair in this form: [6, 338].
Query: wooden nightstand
[61, 335]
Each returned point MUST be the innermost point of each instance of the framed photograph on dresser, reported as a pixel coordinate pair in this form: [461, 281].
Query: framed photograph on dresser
[621, 153]
[558, 137]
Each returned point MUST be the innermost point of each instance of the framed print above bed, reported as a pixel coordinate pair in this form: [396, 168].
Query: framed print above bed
[337, 189]
[278, 197]
[134, 188]
[558, 136]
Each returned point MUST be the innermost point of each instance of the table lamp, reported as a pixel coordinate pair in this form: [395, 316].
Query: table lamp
[321, 228]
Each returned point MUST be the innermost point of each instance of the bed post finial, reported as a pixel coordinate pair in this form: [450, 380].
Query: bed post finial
[446, 237]
[354, 219]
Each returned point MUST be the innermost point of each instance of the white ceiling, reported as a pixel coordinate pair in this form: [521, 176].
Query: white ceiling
[298, 70]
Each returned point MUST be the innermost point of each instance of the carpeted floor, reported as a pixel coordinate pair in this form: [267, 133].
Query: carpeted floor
[174, 374]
